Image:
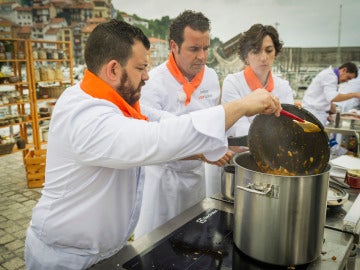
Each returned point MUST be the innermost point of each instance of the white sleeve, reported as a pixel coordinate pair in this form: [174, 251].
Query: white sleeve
[111, 140]
[155, 114]
[216, 130]
[231, 91]
[330, 86]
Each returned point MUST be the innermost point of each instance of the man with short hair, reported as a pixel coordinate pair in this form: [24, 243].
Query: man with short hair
[182, 84]
[99, 139]
[323, 90]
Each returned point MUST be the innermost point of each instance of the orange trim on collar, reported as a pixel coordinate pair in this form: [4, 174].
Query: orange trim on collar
[97, 88]
[188, 87]
[253, 81]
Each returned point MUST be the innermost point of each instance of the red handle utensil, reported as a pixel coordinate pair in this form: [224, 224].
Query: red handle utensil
[292, 116]
[305, 125]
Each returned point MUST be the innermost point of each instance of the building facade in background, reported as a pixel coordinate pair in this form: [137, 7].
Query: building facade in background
[66, 20]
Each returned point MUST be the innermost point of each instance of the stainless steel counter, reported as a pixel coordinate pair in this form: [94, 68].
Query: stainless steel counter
[336, 249]
[336, 214]
[346, 131]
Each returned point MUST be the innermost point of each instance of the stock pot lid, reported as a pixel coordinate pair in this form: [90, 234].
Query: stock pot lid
[278, 142]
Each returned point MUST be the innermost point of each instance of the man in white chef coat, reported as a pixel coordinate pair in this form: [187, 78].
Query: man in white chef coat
[182, 84]
[98, 141]
[352, 106]
[351, 86]
[323, 90]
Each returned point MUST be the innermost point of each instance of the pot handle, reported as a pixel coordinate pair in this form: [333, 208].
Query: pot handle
[262, 190]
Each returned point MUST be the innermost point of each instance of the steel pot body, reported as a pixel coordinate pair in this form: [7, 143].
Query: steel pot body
[228, 182]
[278, 219]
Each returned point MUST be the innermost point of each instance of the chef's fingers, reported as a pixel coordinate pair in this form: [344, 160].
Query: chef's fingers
[222, 161]
[272, 105]
[277, 105]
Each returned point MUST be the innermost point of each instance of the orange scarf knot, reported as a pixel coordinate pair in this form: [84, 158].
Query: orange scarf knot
[253, 81]
[97, 88]
[188, 87]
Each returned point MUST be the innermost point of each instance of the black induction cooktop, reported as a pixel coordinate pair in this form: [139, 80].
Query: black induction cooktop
[204, 243]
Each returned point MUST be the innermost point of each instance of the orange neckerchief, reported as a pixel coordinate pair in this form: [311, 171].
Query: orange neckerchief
[188, 87]
[97, 88]
[253, 81]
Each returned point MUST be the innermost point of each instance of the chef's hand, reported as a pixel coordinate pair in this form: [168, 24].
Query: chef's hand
[261, 101]
[222, 161]
[258, 101]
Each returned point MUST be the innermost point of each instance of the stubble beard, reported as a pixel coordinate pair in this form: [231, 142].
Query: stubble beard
[127, 91]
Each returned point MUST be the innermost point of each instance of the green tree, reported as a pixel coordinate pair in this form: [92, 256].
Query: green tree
[27, 3]
[119, 16]
[146, 31]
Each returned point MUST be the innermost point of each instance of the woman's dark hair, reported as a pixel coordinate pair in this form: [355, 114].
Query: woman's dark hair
[195, 20]
[251, 40]
[112, 40]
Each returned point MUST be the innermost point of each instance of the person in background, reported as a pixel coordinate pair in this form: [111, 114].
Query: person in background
[178, 86]
[348, 106]
[99, 139]
[321, 94]
[258, 48]
[351, 86]
[323, 90]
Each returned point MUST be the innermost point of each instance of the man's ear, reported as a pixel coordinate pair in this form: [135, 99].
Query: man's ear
[173, 46]
[113, 70]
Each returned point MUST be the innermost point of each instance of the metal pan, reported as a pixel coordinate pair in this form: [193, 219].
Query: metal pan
[277, 142]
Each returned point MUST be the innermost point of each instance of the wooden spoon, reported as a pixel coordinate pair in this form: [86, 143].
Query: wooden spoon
[305, 125]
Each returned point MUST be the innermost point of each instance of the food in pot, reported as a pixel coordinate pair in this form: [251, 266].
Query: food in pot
[280, 171]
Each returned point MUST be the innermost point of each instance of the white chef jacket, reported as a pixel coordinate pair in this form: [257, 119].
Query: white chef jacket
[322, 89]
[235, 87]
[174, 186]
[351, 86]
[93, 187]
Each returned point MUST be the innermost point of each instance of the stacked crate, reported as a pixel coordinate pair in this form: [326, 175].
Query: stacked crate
[35, 161]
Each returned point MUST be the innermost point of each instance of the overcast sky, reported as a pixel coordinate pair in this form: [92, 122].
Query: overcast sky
[304, 23]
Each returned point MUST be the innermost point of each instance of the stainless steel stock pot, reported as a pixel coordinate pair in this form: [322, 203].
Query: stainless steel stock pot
[278, 219]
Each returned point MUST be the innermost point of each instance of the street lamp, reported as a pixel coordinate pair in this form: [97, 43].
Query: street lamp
[338, 55]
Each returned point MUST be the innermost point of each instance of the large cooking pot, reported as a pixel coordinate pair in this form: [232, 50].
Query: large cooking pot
[278, 219]
[228, 171]
[228, 182]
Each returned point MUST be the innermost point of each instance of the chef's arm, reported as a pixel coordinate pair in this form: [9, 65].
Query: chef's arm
[332, 108]
[220, 162]
[342, 97]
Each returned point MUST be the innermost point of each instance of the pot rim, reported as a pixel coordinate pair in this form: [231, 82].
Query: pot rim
[327, 169]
